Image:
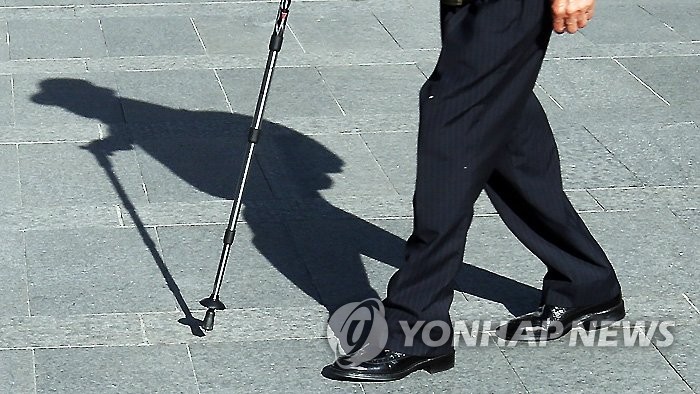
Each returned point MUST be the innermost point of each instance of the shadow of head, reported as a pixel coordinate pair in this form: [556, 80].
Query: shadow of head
[205, 149]
[77, 96]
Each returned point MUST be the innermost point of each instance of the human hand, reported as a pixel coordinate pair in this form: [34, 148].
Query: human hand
[571, 15]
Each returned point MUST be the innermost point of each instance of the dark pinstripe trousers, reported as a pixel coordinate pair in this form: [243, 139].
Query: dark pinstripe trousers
[481, 127]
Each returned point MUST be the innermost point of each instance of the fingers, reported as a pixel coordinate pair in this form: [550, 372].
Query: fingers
[559, 15]
[571, 15]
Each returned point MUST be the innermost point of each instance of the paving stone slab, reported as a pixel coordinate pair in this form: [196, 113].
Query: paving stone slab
[30, 13]
[366, 207]
[183, 95]
[233, 324]
[59, 217]
[652, 251]
[660, 155]
[298, 91]
[396, 154]
[374, 90]
[325, 28]
[270, 211]
[7, 113]
[68, 175]
[383, 123]
[177, 213]
[673, 309]
[39, 3]
[412, 27]
[573, 369]
[621, 51]
[682, 354]
[278, 366]
[169, 8]
[265, 270]
[298, 166]
[14, 299]
[682, 16]
[333, 252]
[66, 99]
[563, 44]
[499, 268]
[17, 371]
[682, 197]
[46, 134]
[608, 26]
[71, 331]
[151, 36]
[197, 169]
[551, 107]
[503, 271]
[9, 177]
[55, 38]
[49, 66]
[124, 2]
[668, 76]
[155, 369]
[691, 217]
[157, 63]
[245, 31]
[102, 270]
[592, 87]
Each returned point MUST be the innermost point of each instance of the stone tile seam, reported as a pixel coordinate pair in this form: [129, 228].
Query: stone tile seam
[657, 18]
[670, 364]
[501, 349]
[199, 36]
[104, 39]
[550, 96]
[297, 219]
[266, 311]
[19, 176]
[564, 58]
[291, 30]
[223, 91]
[34, 371]
[143, 329]
[642, 82]
[13, 100]
[376, 161]
[194, 370]
[25, 258]
[155, 344]
[685, 296]
[327, 86]
[596, 200]
[115, 64]
[634, 174]
[386, 29]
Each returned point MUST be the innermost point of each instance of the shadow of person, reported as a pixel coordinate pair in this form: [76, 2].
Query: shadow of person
[205, 149]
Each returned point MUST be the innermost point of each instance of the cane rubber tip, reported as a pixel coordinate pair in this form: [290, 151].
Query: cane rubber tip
[208, 323]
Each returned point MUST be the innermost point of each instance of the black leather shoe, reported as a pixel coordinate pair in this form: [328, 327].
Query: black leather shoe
[552, 322]
[387, 366]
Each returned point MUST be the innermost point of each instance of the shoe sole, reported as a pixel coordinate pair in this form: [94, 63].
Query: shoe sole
[433, 365]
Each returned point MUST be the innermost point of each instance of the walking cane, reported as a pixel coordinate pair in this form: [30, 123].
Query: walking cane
[212, 303]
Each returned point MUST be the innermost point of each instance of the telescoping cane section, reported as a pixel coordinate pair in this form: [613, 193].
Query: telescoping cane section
[213, 303]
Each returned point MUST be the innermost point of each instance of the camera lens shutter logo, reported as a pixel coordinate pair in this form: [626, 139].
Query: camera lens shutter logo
[357, 332]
